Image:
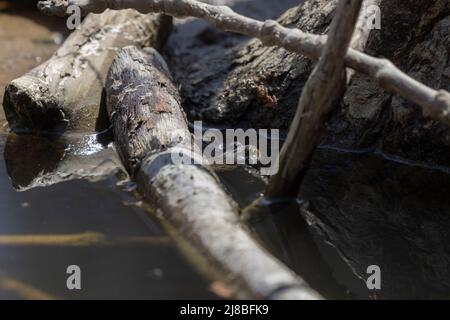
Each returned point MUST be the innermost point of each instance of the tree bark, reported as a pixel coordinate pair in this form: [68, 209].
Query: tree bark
[415, 35]
[386, 213]
[249, 85]
[150, 127]
[67, 89]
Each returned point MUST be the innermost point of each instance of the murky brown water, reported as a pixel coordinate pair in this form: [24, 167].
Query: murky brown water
[122, 251]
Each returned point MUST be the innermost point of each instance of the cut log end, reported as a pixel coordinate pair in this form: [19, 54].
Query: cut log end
[67, 88]
[27, 107]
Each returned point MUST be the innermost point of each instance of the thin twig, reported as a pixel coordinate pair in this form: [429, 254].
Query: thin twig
[324, 88]
[435, 104]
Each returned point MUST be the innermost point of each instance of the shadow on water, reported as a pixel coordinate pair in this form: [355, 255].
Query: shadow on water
[362, 210]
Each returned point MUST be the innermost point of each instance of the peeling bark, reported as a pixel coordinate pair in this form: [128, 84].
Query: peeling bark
[149, 127]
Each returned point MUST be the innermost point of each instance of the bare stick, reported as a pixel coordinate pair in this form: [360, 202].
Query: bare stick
[323, 89]
[435, 104]
[150, 128]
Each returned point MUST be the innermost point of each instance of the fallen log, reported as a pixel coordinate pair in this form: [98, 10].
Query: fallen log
[67, 88]
[151, 133]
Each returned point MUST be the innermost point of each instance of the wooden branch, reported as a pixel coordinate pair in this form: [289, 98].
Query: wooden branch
[150, 127]
[435, 104]
[67, 88]
[321, 94]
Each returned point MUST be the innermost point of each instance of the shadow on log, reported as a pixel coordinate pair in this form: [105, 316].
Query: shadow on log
[67, 88]
[150, 128]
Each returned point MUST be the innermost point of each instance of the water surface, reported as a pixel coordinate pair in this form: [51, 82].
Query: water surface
[121, 250]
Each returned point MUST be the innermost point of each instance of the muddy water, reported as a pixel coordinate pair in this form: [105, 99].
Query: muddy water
[98, 226]
[122, 252]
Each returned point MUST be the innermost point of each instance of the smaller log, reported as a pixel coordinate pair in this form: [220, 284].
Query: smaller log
[67, 88]
[150, 128]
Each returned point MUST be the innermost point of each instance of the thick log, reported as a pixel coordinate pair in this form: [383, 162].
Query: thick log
[150, 128]
[415, 35]
[243, 81]
[68, 87]
[248, 83]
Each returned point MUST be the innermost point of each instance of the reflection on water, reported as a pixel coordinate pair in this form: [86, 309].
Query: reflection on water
[122, 252]
[363, 210]
[358, 210]
[42, 160]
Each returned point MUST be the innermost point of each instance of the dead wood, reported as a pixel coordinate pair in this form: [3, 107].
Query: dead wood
[150, 128]
[68, 87]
